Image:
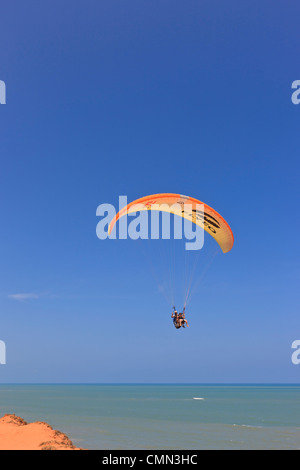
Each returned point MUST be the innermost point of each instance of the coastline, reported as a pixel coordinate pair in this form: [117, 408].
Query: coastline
[17, 434]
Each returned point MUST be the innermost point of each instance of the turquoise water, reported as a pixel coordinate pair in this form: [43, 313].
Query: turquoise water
[163, 416]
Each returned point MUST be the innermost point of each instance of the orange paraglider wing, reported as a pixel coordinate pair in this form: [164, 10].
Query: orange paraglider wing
[189, 208]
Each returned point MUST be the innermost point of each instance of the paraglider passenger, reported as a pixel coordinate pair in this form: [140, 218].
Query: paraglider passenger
[179, 319]
[182, 319]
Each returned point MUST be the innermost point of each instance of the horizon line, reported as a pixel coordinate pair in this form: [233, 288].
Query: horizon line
[158, 383]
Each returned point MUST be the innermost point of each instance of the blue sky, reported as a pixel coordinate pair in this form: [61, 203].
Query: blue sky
[109, 98]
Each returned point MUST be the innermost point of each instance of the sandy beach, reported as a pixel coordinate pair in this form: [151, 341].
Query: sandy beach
[17, 434]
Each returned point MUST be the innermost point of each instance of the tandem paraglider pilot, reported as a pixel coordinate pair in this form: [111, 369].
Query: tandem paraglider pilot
[179, 320]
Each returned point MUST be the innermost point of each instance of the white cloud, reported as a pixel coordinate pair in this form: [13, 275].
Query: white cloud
[24, 296]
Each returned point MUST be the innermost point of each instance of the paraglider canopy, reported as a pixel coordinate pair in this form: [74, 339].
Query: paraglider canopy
[187, 207]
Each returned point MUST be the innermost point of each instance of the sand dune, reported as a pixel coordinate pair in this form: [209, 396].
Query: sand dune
[16, 434]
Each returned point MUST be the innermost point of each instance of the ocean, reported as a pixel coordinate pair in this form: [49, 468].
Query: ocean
[174, 417]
